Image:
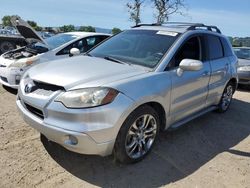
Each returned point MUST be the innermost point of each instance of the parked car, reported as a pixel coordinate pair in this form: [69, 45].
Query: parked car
[15, 62]
[243, 54]
[117, 97]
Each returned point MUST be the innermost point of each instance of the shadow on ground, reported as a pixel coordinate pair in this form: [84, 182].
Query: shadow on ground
[10, 90]
[176, 155]
[243, 88]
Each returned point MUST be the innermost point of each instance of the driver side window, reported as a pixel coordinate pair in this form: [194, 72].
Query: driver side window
[80, 44]
[190, 50]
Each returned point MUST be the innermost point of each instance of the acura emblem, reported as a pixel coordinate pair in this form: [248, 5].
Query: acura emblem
[28, 88]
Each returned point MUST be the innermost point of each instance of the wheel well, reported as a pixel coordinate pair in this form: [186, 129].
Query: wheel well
[160, 111]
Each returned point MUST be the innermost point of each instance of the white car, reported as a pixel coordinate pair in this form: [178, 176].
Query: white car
[14, 63]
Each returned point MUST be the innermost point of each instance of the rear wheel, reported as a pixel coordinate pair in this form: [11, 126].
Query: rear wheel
[226, 98]
[137, 135]
[6, 46]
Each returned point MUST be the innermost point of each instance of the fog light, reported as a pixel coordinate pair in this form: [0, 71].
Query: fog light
[71, 140]
[18, 78]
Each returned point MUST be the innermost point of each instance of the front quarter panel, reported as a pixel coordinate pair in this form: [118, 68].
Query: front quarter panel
[150, 87]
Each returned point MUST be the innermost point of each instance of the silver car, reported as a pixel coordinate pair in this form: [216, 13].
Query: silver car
[118, 97]
[243, 54]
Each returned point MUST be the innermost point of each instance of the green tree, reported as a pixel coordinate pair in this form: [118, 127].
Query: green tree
[87, 29]
[116, 30]
[67, 28]
[34, 25]
[6, 20]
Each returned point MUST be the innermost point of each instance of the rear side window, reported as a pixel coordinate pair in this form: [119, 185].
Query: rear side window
[227, 47]
[215, 47]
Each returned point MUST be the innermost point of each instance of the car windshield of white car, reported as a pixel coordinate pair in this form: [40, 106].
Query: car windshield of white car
[58, 40]
[139, 47]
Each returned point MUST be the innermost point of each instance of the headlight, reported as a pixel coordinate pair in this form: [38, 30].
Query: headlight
[84, 98]
[245, 68]
[24, 62]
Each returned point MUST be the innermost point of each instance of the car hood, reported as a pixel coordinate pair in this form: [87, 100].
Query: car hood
[82, 72]
[26, 30]
[243, 62]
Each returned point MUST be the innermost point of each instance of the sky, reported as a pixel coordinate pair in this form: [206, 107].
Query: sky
[231, 16]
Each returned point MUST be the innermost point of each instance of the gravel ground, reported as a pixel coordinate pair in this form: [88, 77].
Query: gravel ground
[211, 151]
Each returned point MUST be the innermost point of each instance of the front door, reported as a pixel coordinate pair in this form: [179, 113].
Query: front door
[189, 90]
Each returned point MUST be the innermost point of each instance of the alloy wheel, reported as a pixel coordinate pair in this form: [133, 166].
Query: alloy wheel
[141, 136]
[227, 97]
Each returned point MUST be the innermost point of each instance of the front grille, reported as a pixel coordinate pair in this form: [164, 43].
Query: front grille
[4, 79]
[43, 92]
[48, 87]
[34, 111]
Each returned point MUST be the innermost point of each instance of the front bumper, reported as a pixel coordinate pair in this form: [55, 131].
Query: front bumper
[244, 77]
[85, 144]
[10, 77]
[93, 130]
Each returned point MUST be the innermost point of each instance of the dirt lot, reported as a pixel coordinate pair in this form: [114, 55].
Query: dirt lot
[212, 151]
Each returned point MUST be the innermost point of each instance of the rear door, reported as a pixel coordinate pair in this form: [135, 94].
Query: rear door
[220, 72]
[189, 91]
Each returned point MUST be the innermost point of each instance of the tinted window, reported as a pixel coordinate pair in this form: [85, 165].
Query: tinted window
[83, 45]
[190, 50]
[93, 41]
[80, 44]
[141, 47]
[227, 47]
[215, 47]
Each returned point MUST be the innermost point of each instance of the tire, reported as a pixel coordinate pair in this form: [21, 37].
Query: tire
[137, 135]
[6, 46]
[226, 98]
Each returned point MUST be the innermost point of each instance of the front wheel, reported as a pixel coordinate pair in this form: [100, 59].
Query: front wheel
[137, 135]
[226, 98]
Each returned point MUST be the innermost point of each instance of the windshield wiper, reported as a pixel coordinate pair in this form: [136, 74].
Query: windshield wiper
[115, 60]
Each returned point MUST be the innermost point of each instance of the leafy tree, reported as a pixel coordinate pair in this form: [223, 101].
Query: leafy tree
[165, 8]
[90, 29]
[87, 29]
[82, 28]
[67, 28]
[116, 30]
[134, 9]
[34, 25]
[6, 20]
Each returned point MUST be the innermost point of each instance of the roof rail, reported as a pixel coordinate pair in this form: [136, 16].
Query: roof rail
[190, 26]
[180, 23]
[208, 27]
[153, 24]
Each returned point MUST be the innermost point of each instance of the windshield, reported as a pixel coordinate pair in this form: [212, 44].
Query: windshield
[242, 53]
[57, 40]
[140, 47]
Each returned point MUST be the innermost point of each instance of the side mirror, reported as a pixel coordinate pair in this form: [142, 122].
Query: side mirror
[189, 65]
[74, 51]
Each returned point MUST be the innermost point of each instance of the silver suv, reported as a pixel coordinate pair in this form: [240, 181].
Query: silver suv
[118, 96]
